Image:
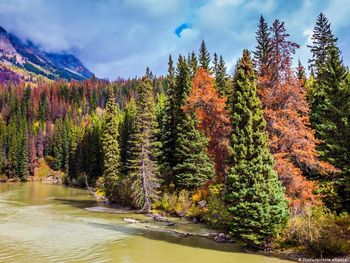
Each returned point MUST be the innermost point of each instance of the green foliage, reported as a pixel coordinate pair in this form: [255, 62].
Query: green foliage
[222, 83]
[254, 194]
[194, 167]
[322, 41]
[217, 214]
[2, 142]
[143, 170]
[330, 115]
[23, 160]
[176, 203]
[204, 56]
[127, 127]
[319, 232]
[110, 146]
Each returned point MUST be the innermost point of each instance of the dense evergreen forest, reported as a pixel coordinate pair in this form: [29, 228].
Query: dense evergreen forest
[262, 152]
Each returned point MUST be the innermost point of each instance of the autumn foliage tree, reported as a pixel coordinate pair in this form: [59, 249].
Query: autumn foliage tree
[292, 141]
[213, 118]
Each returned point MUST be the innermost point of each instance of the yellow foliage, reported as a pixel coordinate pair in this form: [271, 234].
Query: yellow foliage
[44, 169]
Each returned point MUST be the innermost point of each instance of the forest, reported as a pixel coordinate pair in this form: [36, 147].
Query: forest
[262, 152]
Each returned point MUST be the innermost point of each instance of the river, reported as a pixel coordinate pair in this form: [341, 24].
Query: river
[49, 223]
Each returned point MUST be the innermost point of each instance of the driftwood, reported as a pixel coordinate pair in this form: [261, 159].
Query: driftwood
[92, 192]
[131, 220]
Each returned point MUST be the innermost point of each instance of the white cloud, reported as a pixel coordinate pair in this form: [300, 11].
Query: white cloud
[122, 37]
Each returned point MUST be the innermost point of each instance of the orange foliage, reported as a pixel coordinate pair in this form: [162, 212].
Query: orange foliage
[292, 141]
[213, 118]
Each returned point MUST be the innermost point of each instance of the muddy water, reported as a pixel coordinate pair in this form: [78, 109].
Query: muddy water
[49, 223]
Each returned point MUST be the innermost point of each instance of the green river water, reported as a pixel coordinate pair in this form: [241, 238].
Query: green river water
[49, 223]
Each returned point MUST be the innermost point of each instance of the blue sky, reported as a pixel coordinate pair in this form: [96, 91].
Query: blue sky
[121, 37]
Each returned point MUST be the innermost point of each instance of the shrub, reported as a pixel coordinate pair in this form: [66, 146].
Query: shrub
[216, 213]
[174, 203]
[319, 232]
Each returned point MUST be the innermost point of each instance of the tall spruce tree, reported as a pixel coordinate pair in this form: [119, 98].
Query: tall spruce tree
[322, 40]
[110, 147]
[193, 64]
[193, 167]
[332, 118]
[204, 56]
[23, 161]
[127, 128]
[254, 194]
[221, 78]
[143, 167]
[2, 143]
[263, 49]
[170, 123]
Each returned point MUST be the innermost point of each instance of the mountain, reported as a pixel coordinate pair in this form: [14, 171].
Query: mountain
[26, 61]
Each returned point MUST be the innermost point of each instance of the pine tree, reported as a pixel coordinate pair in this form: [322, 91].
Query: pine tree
[170, 123]
[143, 168]
[110, 147]
[221, 78]
[301, 75]
[193, 64]
[322, 40]
[263, 49]
[254, 193]
[23, 161]
[194, 167]
[2, 142]
[332, 119]
[127, 128]
[204, 56]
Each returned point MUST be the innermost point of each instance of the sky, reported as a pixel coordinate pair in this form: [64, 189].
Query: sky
[122, 37]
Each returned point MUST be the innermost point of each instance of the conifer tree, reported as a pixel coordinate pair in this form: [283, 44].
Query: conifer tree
[127, 128]
[204, 56]
[301, 75]
[110, 147]
[2, 142]
[168, 147]
[23, 161]
[322, 40]
[332, 118]
[193, 64]
[254, 194]
[143, 168]
[221, 78]
[263, 49]
[193, 167]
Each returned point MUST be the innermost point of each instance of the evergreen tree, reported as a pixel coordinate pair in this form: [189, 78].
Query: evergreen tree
[262, 53]
[23, 161]
[204, 56]
[301, 75]
[193, 167]
[193, 64]
[254, 194]
[322, 40]
[162, 124]
[143, 168]
[170, 123]
[2, 142]
[110, 147]
[127, 128]
[221, 78]
[332, 118]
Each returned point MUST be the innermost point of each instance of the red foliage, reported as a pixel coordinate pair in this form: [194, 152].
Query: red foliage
[213, 117]
[292, 141]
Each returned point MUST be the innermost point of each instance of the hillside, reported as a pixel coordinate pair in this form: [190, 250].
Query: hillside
[24, 60]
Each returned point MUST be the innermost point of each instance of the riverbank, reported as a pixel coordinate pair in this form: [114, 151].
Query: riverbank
[52, 223]
[182, 228]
